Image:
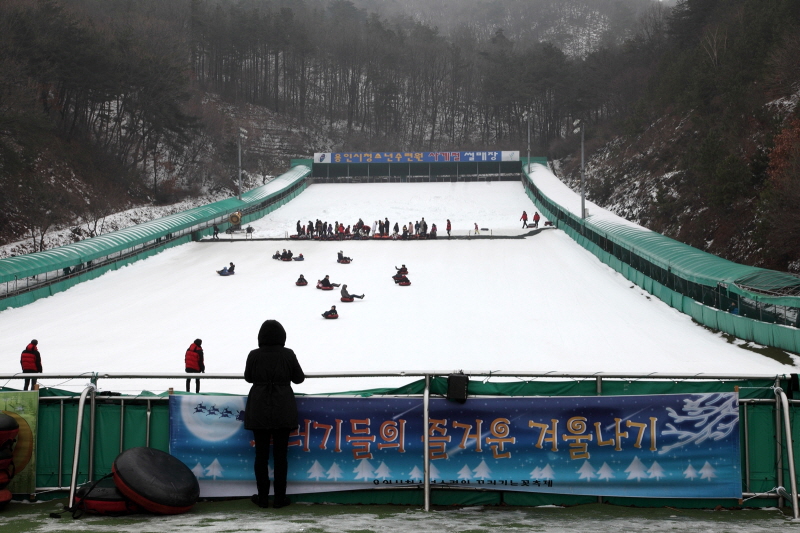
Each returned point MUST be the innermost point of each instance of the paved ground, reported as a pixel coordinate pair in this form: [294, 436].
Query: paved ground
[241, 515]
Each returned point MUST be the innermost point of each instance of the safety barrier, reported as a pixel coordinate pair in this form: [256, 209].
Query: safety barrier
[767, 416]
[768, 320]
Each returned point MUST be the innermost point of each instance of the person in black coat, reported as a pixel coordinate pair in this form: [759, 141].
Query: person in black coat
[271, 411]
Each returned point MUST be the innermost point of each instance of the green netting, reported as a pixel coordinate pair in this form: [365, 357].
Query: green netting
[20, 267]
[761, 422]
[766, 333]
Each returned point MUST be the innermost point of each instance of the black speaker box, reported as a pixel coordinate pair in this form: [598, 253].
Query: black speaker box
[457, 387]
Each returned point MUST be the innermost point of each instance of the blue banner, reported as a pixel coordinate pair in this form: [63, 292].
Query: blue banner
[416, 157]
[665, 446]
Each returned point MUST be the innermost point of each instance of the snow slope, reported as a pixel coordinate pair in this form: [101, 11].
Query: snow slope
[540, 303]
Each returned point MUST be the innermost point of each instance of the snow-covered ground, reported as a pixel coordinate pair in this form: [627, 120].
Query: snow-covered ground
[540, 303]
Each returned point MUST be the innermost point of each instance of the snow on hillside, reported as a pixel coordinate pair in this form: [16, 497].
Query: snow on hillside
[539, 303]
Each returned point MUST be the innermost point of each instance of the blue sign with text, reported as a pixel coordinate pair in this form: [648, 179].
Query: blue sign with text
[665, 446]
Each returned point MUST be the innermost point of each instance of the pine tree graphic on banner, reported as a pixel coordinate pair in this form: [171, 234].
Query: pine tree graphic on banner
[655, 471]
[415, 473]
[465, 473]
[383, 471]
[690, 473]
[364, 470]
[636, 470]
[434, 473]
[198, 470]
[535, 473]
[605, 472]
[316, 471]
[547, 472]
[586, 471]
[334, 472]
[214, 470]
[708, 472]
[482, 471]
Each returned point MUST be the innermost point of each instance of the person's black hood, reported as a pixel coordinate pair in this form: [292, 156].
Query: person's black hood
[271, 334]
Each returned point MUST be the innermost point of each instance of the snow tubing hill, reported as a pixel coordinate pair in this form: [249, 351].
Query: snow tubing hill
[9, 429]
[347, 299]
[103, 498]
[155, 480]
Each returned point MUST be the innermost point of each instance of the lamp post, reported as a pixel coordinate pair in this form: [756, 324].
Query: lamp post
[528, 116]
[583, 194]
[581, 122]
[242, 131]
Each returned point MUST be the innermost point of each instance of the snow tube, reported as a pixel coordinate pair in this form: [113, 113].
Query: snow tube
[404, 283]
[299, 284]
[286, 258]
[331, 317]
[9, 429]
[320, 287]
[347, 299]
[155, 480]
[298, 258]
[6, 460]
[6, 476]
[226, 273]
[5, 497]
[343, 261]
[103, 498]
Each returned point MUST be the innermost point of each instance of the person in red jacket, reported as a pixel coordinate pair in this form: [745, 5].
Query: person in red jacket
[31, 362]
[195, 363]
[536, 218]
[524, 219]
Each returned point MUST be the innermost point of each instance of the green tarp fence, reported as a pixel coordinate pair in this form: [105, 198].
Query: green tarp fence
[765, 333]
[137, 425]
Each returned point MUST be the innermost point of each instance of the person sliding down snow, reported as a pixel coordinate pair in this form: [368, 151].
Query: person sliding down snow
[277, 255]
[330, 312]
[402, 269]
[342, 257]
[223, 272]
[400, 278]
[231, 268]
[346, 294]
[326, 282]
[301, 279]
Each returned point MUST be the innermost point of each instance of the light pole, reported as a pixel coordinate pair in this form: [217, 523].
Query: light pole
[528, 116]
[583, 193]
[239, 146]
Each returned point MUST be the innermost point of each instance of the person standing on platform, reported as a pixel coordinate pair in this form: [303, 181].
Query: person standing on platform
[31, 361]
[271, 412]
[195, 363]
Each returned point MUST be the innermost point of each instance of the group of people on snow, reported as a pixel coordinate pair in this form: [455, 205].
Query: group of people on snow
[524, 219]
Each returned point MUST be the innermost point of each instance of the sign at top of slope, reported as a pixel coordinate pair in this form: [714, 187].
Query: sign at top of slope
[416, 157]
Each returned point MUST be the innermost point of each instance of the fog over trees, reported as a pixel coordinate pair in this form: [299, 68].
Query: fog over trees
[120, 100]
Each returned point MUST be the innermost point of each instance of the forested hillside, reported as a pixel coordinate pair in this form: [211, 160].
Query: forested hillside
[687, 111]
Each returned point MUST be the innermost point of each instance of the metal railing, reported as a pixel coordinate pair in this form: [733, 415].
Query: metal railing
[780, 400]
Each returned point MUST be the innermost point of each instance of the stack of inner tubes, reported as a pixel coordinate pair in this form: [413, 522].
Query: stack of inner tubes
[141, 479]
[9, 429]
[155, 481]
